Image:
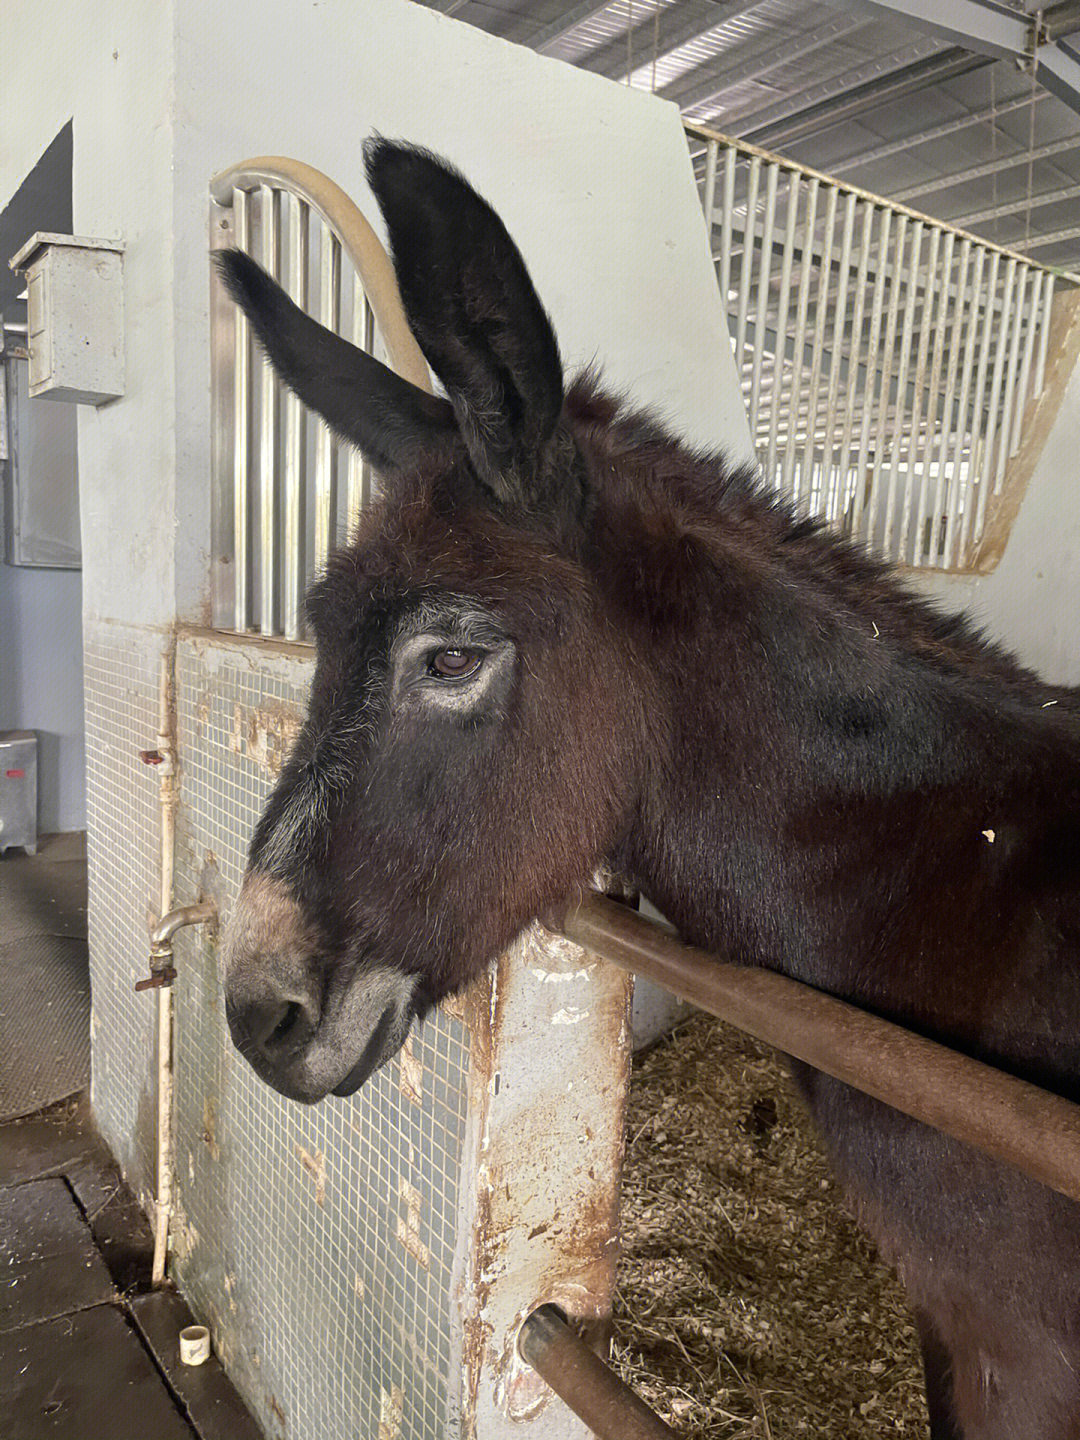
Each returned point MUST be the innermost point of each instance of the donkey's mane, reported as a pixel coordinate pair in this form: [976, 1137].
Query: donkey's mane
[728, 510]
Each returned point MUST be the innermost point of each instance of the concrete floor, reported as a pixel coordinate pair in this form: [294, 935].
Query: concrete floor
[86, 1349]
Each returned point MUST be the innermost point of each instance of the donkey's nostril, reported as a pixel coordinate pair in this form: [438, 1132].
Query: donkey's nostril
[285, 1024]
[277, 1026]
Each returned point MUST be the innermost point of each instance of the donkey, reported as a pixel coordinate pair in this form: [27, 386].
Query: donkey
[561, 638]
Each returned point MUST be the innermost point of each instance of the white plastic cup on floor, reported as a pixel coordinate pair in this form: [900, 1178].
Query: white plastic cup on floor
[194, 1345]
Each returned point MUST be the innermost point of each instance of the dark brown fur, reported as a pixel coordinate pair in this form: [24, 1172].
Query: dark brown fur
[797, 760]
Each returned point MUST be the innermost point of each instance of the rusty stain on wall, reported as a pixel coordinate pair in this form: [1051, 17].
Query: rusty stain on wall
[545, 1146]
[408, 1225]
[265, 735]
[209, 1130]
[315, 1165]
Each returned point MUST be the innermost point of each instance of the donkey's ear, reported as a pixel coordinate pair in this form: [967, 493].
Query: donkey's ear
[393, 423]
[473, 309]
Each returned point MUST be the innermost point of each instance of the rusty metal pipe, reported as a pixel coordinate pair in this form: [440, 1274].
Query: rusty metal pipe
[161, 936]
[1003, 1116]
[579, 1377]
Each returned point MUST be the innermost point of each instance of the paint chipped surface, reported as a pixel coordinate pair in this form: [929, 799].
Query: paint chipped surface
[412, 1074]
[408, 1225]
[391, 1410]
[546, 1146]
[569, 1015]
[265, 735]
[315, 1165]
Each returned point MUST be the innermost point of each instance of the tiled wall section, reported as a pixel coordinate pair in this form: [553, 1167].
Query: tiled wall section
[317, 1241]
[122, 667]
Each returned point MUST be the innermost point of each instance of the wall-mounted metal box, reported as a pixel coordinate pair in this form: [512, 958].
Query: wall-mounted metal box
[18, 790]
[75, 317]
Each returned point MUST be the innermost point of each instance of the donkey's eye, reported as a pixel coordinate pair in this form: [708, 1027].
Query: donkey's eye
[454, 664]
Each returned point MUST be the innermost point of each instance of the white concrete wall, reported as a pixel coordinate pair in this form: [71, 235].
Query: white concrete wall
[1031, 602]
[592, 179]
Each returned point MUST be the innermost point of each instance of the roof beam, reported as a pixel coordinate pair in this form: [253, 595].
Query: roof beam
[677, 25]
[1014, 207]
[936, 132]
[990, 167]
[547, 37]
[908, 81]
[840, 84]
[989, 27]
[760, 56]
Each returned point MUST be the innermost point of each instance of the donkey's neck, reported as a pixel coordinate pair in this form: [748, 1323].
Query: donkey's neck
[823, 724]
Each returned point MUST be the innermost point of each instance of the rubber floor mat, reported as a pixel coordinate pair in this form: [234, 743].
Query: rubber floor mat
[44, 1022]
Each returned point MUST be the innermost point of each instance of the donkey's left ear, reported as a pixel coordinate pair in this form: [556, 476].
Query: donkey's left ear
[477, 318]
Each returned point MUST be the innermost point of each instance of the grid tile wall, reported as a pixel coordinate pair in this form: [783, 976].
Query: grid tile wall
[318, 1242]
[122, 666]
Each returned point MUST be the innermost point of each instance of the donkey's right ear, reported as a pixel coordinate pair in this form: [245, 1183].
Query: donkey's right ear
[392, 422]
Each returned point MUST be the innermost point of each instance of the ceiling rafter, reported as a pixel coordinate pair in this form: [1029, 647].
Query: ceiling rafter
[988, 27]
[760, 56]
[989, 167]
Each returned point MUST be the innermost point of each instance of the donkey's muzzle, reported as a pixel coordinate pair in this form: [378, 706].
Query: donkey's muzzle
[305, 1030]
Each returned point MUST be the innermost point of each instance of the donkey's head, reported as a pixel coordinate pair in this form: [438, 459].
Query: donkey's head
[469, 753]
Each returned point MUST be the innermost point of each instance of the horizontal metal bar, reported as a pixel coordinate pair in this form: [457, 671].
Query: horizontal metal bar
[746, 151]
[580, 1378]
[1005, 1117]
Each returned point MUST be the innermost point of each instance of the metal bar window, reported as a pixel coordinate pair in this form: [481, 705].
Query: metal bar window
[891, 402]
[296, 490]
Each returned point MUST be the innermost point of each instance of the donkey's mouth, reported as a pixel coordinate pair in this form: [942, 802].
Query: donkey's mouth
[390, 1035]
[307, 1051]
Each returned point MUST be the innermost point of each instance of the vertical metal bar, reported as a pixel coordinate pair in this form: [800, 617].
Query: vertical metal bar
[330, 316]
[1020, 404]
[979, 416]
[748, 257]
[362, 321]
[806, 265]
[1023, 393]
[730, 161]
[712, 150]
[297, 251]
[937, 319]
[958, 483]
[986, 478]
[269, 470]
[1044, 335]
[851, 389]
[873, 340]
[839, 325]
[901, 382]
[242, 433]
[1008, 398]
[943, 446]
[783, 304]
[821, 307]
[763, 279]
[930, 290]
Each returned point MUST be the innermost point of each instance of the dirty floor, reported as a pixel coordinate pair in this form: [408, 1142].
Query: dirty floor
[85, 1348]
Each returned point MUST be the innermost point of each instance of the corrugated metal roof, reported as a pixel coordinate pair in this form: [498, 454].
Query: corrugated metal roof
[871, 99]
